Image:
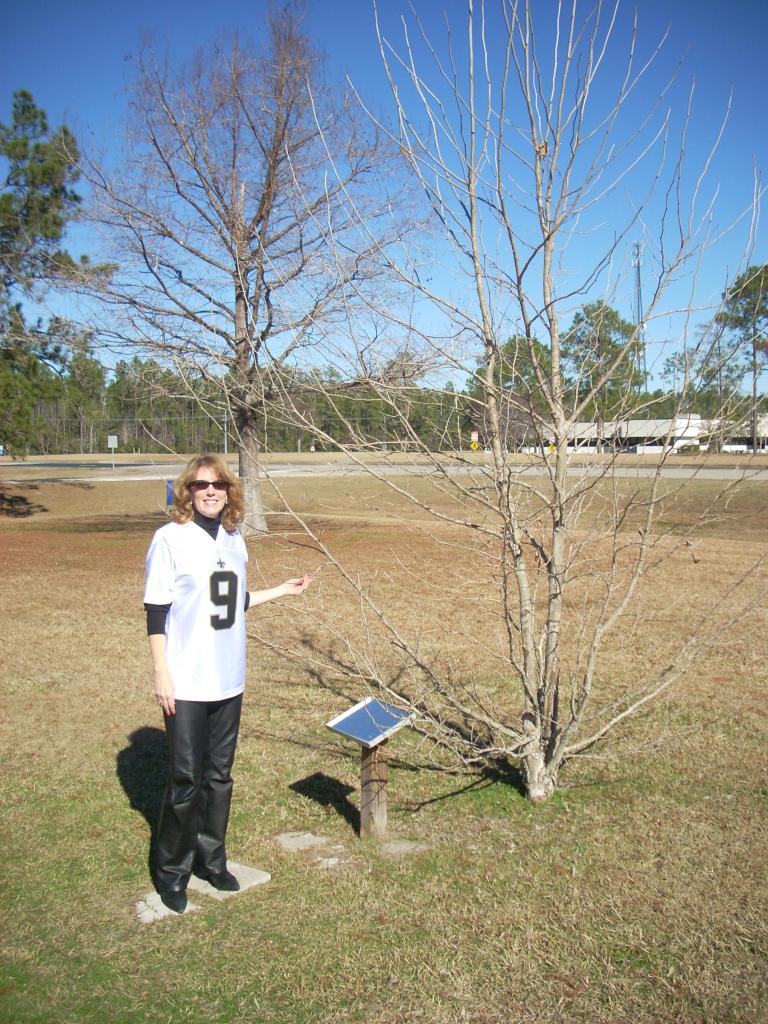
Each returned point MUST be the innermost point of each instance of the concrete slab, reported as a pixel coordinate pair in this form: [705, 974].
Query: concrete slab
[293, 841]
[246, 876]
[149, 909]
[317, 851]
[397, 849]
[327, 862]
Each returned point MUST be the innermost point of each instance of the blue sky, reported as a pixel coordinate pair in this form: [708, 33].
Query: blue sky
[74, 58]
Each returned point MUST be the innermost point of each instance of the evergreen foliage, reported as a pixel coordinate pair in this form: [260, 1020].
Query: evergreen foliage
[602, 354]
[37, 200]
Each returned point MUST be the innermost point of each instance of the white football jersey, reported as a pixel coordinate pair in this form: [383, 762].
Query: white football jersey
[205, 583]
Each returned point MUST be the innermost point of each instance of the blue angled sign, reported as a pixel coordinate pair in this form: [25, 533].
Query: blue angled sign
[370, 722]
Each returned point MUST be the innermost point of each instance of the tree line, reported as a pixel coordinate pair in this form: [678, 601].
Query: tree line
[61, 398]
[151, 408]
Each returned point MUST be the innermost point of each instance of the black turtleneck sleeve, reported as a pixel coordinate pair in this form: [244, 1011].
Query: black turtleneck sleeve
[156, 616]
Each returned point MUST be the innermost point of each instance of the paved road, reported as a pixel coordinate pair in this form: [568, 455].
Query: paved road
[84, 469]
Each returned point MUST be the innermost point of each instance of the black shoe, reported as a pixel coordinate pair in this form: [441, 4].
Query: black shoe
[224, 881]
[174, 899]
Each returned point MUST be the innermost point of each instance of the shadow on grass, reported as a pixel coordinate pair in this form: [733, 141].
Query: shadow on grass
[484, 787]
[114, 524]
[329, 792]
[142, 768]
[17, 506]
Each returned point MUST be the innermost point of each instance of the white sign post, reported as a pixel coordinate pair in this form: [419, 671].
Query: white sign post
[112, 444]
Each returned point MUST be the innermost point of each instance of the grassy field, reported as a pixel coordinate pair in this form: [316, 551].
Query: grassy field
[637, 894]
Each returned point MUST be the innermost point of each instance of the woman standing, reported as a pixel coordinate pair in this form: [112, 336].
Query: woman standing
[196, 598]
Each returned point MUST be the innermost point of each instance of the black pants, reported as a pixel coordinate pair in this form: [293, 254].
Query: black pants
[202, 736]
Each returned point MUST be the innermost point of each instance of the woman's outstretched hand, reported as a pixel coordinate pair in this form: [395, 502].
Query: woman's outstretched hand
[292, 588]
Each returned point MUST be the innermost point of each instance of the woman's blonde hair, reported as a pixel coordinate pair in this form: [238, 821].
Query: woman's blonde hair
[183, 510]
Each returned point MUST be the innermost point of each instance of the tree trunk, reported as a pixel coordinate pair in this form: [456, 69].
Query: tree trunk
[255, 521]
[755, 375]
[540, 781]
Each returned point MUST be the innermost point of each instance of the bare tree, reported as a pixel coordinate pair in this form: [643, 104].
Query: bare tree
[520, 147]
[218, 218]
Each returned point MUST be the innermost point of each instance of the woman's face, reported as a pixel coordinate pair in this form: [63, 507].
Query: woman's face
[210, 500]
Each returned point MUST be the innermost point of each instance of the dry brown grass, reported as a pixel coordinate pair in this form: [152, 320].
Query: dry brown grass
[638, 894]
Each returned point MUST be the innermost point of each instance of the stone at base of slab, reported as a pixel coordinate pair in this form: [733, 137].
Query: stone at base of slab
[321, 852]
[397, 849]
[293, 841]
[150, 908]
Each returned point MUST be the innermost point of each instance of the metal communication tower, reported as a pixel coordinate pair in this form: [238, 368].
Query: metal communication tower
[637, 262]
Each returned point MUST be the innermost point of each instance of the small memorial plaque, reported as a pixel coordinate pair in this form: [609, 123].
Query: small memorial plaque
[370, 722]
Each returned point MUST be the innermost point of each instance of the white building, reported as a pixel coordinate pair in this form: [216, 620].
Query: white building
[640, 436]
[738, 436]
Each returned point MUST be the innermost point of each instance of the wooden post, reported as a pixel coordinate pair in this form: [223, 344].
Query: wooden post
[374, 772]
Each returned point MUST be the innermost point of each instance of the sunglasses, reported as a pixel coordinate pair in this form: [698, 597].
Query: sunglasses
[203, 485]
